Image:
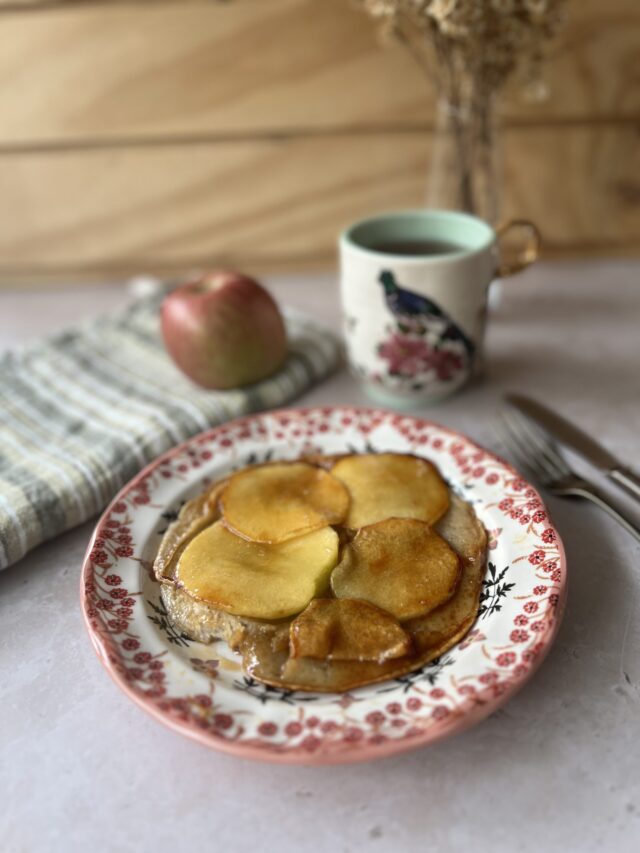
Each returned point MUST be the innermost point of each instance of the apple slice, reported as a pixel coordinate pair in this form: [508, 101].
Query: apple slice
[275, 502]
[400, 565]
[337, 676]
[463, 531]
[391, 485]
[194, 516]
[253, 579]
[344, 629]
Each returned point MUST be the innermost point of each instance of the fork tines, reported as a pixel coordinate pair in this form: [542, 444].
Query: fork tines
[532, 449]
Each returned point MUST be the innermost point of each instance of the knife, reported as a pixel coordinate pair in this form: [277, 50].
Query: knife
[574, 438]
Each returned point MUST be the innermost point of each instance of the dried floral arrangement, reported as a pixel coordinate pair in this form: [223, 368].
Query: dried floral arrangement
[470, 49]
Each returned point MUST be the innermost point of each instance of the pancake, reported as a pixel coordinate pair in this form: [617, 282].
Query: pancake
[272, 649]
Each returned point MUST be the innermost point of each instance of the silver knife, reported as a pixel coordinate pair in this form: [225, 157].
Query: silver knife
[578, 441]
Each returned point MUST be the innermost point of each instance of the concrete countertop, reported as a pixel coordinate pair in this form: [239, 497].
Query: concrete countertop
[82, 768]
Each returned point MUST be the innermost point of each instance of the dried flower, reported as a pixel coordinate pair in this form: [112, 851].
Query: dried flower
[484, 40]
[471, 49]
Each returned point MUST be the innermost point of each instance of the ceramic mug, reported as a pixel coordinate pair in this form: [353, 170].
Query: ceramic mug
[414, 323]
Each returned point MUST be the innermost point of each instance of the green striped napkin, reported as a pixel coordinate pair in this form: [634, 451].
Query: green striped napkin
[82, 412]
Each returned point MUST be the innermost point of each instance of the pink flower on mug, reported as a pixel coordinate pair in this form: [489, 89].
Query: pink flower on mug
[405, 356]
[410, 356]
[446, 363]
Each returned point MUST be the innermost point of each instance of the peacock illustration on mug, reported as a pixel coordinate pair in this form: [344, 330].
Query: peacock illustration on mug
[423, 342]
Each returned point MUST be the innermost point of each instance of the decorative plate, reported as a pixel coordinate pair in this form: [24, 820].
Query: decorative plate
[201, 690]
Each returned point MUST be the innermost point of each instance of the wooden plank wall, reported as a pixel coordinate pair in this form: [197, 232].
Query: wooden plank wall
[170, 134]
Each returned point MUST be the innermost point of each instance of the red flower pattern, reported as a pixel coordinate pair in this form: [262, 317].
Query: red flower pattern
[518, 636]
[124, 551]
[223, 721]
[99, 556]
[353, 733]
[120, 592]
[375, 718]
[440, 712]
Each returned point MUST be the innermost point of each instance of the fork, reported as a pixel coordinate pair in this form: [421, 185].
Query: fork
[538, 455]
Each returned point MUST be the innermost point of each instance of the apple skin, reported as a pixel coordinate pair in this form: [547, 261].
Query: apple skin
[223, 330]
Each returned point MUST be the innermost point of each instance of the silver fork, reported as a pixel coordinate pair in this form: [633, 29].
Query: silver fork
[538, 455]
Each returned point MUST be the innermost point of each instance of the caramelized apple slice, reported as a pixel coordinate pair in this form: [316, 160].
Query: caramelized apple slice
[391, 485]
[334, 676]
[275, 502]
[256, 580]
[344, 629]
[194, 516]
[464, 532]
[400, 565]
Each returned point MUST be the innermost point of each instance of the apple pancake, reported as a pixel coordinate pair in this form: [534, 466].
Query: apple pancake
[309, 601]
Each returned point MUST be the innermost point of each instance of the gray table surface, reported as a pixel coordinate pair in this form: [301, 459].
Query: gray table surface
[82, 768]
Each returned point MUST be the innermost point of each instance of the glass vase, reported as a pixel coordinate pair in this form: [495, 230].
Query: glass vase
[464, 172]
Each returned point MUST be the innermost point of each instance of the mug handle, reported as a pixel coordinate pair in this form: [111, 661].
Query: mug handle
[529, 252]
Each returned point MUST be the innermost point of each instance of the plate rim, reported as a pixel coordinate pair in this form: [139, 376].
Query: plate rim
[472, 710]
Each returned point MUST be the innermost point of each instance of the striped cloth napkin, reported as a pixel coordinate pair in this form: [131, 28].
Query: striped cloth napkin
[82, 412]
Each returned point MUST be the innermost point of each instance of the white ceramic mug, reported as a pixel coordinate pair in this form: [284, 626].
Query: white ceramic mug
[414, 323]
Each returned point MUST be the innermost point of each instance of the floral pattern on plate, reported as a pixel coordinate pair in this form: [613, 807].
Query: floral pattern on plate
[201, 690]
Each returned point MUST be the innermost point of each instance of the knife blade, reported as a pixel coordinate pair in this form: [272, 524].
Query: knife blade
[577, 440]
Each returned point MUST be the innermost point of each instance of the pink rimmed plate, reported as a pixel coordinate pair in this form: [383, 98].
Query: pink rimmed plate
[201, 690]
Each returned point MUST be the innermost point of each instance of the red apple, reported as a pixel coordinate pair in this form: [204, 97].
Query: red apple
[223, 330]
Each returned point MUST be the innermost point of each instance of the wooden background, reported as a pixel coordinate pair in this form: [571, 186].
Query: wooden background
[164, 135]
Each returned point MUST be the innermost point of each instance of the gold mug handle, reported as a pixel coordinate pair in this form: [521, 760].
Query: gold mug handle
[529, 252]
